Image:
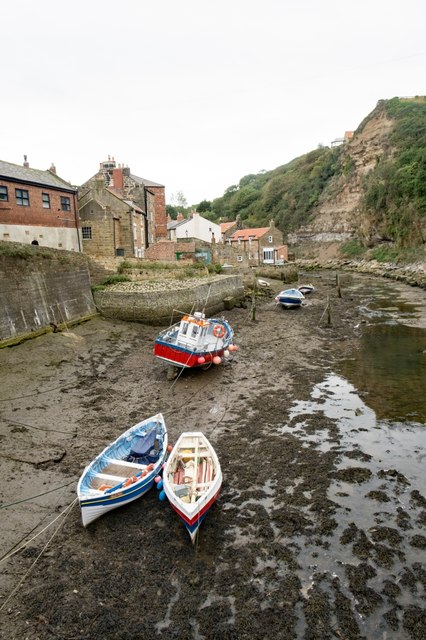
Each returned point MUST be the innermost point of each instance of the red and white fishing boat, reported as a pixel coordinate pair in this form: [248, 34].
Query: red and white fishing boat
[192, 479]
[195, 341]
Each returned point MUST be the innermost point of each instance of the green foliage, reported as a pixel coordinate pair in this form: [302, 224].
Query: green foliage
[145, 266]
[24, 251]
[384, 253]
[214, 268]
[286, 195]
[114, 278]
[172, 211]
[204, 206]
[395, 192]
[352, 249]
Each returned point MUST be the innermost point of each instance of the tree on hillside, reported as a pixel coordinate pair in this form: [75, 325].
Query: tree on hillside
[205, 205]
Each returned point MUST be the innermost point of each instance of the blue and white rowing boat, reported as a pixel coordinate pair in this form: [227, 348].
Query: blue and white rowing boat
[290, 298]
[125, 469]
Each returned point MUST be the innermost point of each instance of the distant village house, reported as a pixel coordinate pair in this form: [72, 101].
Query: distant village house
[256, 246]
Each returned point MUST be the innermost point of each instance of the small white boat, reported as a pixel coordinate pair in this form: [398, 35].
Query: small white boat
[195, 341]
[124, 470]
[290, 298]
[192, 479]
[306, 288]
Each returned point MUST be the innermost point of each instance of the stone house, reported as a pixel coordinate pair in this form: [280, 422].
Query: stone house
[258, 246]
[110, 225]
[144, 199]
[38, 207]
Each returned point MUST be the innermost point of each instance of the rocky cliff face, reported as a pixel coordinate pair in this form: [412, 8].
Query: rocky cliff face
[339, 215]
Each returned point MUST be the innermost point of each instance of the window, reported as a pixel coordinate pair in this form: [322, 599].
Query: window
[239, 258]
[22, 197]
[3, 194]
[65, 203]
[46, 200]
[268, 255]
[86, 232]
[269, 238]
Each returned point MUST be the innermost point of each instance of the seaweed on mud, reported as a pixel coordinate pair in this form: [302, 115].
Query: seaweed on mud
[418, 541]
[414, 622]
[367, 598]
[387, 534]
[352, 474]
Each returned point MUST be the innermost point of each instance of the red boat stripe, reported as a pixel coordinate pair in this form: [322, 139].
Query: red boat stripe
[199, 514]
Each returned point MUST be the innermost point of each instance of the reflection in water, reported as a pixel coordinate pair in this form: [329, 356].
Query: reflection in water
[390, 366]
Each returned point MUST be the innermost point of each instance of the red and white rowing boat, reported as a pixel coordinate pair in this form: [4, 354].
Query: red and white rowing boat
[192, 479]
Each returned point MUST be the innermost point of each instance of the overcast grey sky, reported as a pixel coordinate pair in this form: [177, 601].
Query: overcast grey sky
[195, 94]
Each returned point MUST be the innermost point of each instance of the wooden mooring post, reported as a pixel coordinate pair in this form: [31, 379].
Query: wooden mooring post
[339, 292]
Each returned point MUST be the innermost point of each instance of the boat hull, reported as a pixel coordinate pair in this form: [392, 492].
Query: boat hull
[290, 298]
[192, 522]
[115, 477]
[93, 509]
[288, 303]
[184, 358]
[306, 289]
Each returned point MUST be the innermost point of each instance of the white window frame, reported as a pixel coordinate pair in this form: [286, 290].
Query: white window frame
[268, 256]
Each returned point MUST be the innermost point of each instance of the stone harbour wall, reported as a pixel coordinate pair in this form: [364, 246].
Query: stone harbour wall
[41, 289]
[154, 302]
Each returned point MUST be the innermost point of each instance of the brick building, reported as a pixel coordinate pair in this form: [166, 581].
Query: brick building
[38, 207]
[144, 196]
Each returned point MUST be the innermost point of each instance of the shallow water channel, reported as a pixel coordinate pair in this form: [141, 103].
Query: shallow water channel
[377, 398]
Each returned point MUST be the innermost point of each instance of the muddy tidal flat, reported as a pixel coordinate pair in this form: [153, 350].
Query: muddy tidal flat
[320, 529]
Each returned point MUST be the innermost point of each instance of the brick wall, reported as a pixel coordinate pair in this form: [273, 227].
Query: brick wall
[166, 250]
[35, 213]
[160, 212]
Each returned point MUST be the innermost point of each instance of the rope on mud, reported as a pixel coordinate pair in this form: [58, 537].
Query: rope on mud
[12, 504]
[65, 513]
[36, 393]
[30, 426]
[12, 553]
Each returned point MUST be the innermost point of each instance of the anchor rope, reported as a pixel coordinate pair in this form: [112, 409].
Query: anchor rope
[66, 512]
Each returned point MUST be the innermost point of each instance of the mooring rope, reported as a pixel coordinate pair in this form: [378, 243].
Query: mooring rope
[65, 513]
[12, 553]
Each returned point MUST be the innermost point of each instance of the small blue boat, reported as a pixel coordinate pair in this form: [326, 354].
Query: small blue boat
[290, 298]
[306, 288]
[124, 470]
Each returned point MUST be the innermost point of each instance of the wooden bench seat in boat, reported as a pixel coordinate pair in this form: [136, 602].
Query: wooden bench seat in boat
[123, 468]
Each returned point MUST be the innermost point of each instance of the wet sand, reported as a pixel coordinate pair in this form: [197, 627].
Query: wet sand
[314, 535]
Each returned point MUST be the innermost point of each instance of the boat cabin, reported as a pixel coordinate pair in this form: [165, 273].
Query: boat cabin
[193, 329]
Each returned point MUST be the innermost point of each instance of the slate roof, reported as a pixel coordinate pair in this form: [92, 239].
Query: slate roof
[19, 173]
[144, 182]
[176, 223]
